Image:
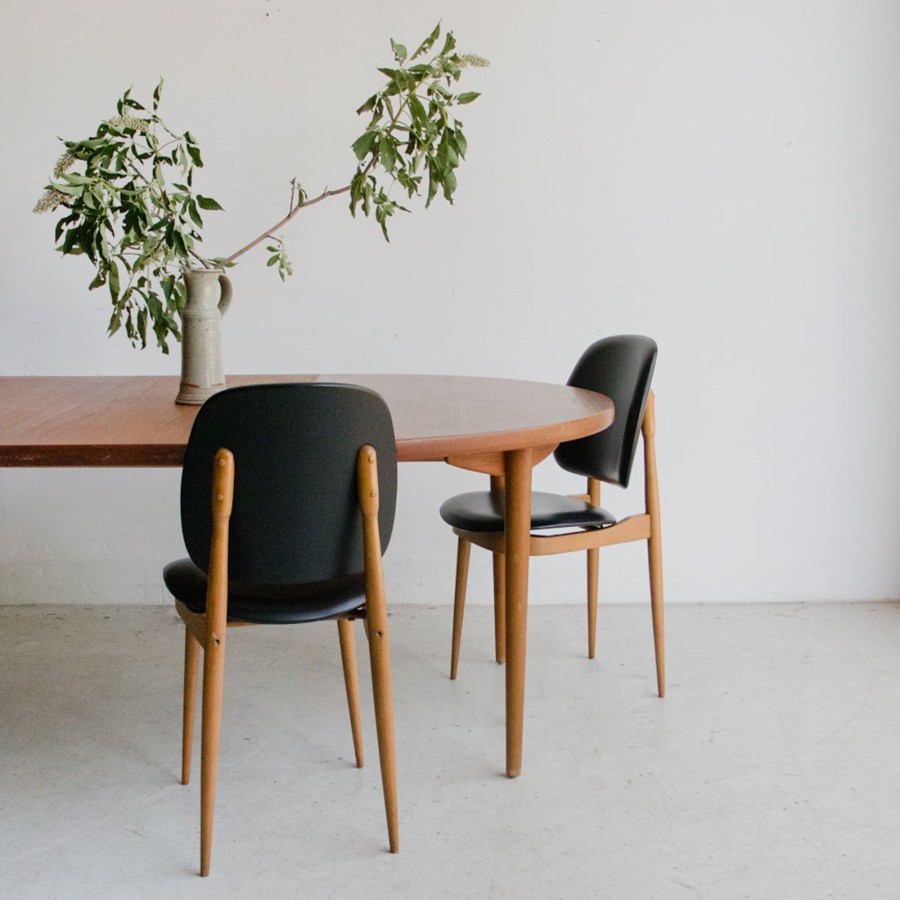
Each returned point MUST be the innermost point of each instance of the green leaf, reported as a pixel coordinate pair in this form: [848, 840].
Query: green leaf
[180, 245]
[420, 117]
[113, 281]
[467, 97]
[449, 180]
[207, 202]
[142, 326]
[368, 106]
[195, 216]
[362, 146]
[356, 185]
[388, 152]
[115, 323]
[429, 42]
[399, 51]
[432, 185]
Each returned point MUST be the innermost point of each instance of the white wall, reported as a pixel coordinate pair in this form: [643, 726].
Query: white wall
[720, 175]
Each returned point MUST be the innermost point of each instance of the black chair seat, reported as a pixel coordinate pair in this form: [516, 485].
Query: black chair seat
[481, 511]
[275, 604]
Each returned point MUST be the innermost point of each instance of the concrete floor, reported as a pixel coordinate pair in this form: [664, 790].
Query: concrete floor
[770, 770]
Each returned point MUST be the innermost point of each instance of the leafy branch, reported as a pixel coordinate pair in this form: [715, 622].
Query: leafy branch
[133, 212]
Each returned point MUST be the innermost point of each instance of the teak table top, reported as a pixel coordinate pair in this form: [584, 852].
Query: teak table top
[134, 421]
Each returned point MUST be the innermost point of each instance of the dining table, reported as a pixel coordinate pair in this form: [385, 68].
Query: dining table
[500, 427]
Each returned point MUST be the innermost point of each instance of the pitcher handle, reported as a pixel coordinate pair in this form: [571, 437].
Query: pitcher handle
[225, 299]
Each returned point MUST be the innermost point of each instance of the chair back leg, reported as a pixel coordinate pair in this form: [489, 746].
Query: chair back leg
[593, 574]
[463, 552]
[191, 669]
[593, 579]
[351, 683]
[499, 569]
[654, 543]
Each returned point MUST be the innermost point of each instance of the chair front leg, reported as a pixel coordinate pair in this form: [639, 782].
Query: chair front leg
[351, 683]
[213, 677]
[380, 661]
[379, 646]
[214, 648]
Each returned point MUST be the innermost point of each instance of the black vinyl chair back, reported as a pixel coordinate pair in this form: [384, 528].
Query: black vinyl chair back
[620, 367]
[296, 515]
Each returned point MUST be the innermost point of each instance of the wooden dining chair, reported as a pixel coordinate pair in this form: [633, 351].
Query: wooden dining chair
[622, 368]
[287, 504]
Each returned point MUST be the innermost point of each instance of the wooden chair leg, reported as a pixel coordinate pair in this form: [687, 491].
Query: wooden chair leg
[191, 667]
[593, 568]
[654, 553]
[593, 571]
[379, 646]
[213, 675]
[654, 542]
[459, 601]
[499, 563]
[380, 659]
[351, 683]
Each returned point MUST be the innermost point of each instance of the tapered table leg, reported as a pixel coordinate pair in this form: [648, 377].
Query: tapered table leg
[517, 464]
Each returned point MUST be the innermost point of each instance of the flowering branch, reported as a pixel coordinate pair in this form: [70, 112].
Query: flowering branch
[132, 209]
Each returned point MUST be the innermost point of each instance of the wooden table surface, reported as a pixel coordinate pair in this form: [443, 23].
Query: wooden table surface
[133, 420]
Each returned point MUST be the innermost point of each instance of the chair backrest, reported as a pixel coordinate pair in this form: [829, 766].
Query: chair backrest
[620, 367]
[296, 515]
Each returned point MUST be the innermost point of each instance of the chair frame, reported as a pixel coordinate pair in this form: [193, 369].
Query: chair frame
[207, 631]
[644, 526]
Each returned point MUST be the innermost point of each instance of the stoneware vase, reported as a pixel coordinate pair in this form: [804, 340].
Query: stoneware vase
[202, 370]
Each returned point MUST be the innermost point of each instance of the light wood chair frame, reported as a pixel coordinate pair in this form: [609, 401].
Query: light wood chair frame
[644, 526]
[207, 631]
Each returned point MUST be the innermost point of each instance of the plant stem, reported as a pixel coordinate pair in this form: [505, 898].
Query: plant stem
[268, 232]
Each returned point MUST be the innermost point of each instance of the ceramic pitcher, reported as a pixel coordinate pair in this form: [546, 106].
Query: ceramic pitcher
[202, 370]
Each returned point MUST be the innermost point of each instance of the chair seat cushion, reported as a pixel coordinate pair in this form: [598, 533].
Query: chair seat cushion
[481, 511]
[274, 604]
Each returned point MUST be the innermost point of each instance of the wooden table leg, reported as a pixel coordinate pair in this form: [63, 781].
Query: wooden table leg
[518, 466]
